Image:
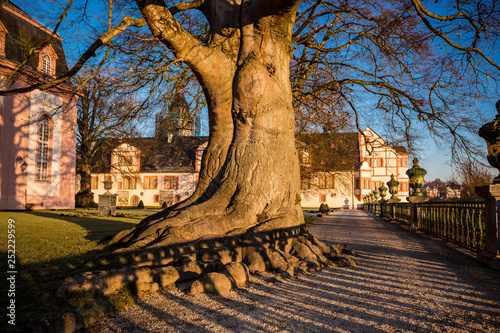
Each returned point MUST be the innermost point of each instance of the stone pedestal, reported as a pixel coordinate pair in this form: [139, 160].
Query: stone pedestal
[392, 211]
[107, 205]
[415, 211]
[491, 253]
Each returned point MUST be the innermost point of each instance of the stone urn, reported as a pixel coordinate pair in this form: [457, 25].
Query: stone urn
[376, 195]
[383, 191]
[108, 185]
[416, 175]
[490, 132]
[393, 187]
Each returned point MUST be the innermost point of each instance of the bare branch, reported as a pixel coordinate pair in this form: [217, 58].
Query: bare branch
[127, 22]
[422, 13]
[185, 6]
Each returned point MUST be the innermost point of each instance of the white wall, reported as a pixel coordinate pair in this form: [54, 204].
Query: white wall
[187, 185]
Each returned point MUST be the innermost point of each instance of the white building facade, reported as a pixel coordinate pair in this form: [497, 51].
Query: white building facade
[152, 173]
[156, 171]
[345, 185]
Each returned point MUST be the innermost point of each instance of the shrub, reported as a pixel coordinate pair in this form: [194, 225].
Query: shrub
[323, 208]
[140, 205]
[164, 205]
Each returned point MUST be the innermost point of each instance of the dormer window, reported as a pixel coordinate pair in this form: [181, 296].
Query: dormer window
[47, 64]
[47, 61]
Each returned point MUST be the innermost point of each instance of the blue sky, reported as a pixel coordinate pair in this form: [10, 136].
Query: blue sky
[433, 158]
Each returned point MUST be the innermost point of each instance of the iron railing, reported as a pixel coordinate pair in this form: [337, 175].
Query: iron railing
[460, 222]
[402, 212]
[386, 210]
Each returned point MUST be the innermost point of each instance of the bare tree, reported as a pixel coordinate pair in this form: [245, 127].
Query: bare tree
[470, 175]
[395, 57]
[105, 111]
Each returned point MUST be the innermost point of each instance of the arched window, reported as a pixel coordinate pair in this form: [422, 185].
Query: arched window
[42, 164]
[135, 200]
[47, 64]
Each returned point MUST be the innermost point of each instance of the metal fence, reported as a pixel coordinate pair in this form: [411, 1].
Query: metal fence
[459, 222]
[402, 212]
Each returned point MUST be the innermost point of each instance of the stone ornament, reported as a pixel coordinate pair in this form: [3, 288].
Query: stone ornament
[490, 132]
[393, 187]
[416, 175]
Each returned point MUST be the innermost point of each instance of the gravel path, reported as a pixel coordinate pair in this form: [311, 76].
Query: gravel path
[404, 282]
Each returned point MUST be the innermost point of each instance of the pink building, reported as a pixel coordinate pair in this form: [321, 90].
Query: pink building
[37, 129]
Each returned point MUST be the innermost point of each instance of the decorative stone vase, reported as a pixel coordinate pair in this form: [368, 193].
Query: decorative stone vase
[383, 191]
[376, 195]
[108, 185]
[416, 175]
[393, 187]
[490, 132]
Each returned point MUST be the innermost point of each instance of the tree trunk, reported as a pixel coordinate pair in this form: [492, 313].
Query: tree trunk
[84, 197]
[250, 172]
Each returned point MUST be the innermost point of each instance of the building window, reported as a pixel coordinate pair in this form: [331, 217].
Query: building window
[177, 198]
[125, 160]
[156, 198]
[134, 200]
[380, 162]
[366, 184]
[120, 185]
[129, 183]
[326, 182]
[171, 182]
[304, 159]
[305, 183]
[42, 164]
[356, 182]
[150, 182]
[94, 184]
[47, 64]
[322, 198]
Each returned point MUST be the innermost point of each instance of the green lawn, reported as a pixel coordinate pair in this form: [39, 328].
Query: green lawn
[53, 245]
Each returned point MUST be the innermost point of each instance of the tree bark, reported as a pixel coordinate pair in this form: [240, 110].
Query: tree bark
[84, 197]
[250, 170]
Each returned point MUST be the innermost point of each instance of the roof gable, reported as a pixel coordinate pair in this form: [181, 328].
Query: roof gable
[23, 34]
[156, 155]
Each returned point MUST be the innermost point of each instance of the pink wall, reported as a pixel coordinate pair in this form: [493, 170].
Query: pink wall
[14, 114]
[13, 135]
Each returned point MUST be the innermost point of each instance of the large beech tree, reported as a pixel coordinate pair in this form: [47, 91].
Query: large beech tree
[250, 170]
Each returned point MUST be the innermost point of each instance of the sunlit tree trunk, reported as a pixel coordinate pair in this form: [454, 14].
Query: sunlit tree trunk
[250, 171]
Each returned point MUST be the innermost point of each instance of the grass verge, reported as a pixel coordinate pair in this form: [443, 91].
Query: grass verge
[51, 246]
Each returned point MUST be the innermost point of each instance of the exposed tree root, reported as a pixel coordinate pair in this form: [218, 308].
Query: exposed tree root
[285, 252]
